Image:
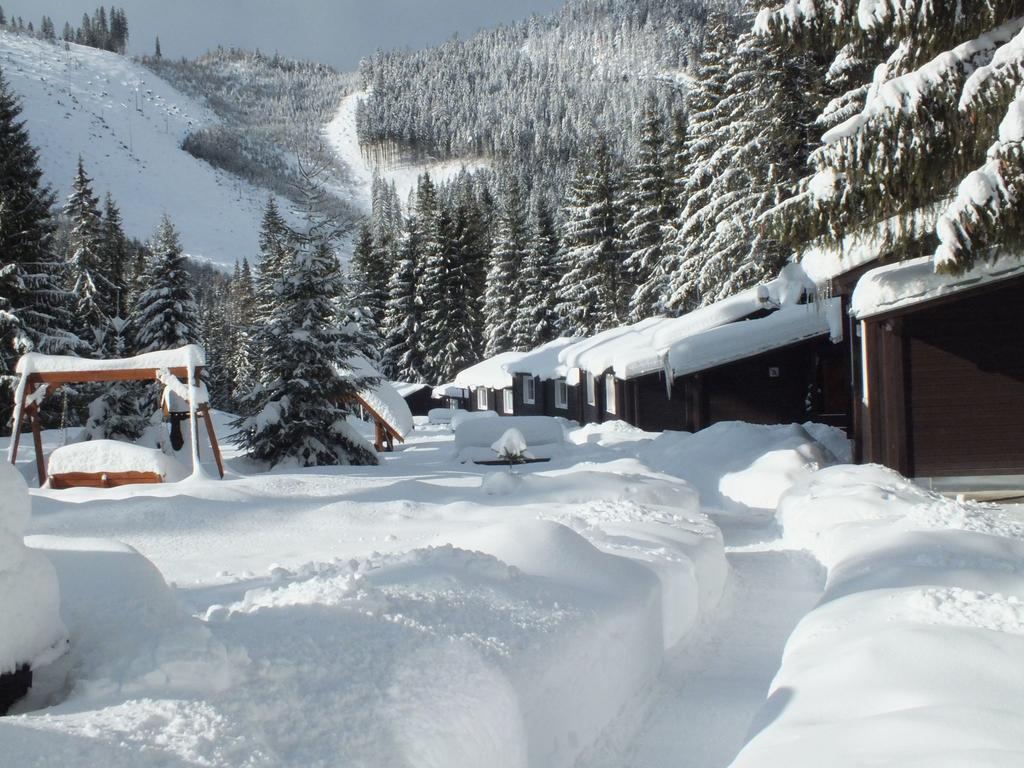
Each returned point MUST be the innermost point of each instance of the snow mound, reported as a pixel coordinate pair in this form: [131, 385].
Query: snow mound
[920, 628]
[128, 632]
[29, 594]
[737, 466]
[96, 456]
[609, 433]
[461, 417]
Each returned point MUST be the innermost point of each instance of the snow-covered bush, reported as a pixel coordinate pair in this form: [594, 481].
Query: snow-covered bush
[511, 447]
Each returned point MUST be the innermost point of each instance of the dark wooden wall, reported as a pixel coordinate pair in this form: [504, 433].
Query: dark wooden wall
[965, 385]
[523, 408]
[420, 402]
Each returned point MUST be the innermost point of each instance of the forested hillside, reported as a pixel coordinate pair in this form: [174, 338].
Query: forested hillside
[272, 111]
[537, 93]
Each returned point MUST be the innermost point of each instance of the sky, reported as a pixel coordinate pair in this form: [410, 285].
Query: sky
[337, 32]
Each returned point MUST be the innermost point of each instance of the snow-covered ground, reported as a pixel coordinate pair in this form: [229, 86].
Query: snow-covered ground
[625, 604]
[343, 139]
[127, 124]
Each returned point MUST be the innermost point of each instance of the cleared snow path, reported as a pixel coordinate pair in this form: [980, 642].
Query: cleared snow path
[702, 710]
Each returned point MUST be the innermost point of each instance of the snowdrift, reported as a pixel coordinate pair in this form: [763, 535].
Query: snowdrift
[742, 467]
[31, 631]
[921, 629]
[97, 456]
[474, 438]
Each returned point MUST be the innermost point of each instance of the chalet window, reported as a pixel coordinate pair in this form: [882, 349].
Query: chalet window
[529, 390]
[481, 399]
[506, 404]
[591, 390]
[609, 393]
[561, 394]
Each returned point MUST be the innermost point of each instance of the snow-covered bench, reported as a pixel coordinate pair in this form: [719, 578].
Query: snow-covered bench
[111, 463]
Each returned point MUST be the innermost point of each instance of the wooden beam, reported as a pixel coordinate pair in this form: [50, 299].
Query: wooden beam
[87, 376]
[208, 421]
[37, 438]
[378, 418]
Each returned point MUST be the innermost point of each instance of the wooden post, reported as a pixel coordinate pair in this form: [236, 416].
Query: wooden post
[37, 437]
[16, 438]
[208, 421]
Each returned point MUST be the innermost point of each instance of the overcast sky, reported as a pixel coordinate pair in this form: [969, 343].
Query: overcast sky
[338, 32]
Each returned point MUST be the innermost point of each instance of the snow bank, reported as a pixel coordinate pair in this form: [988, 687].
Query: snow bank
[461, 417]
[911, 282]
[32, 632]
[442, 415]
[737, 466]
[115, 456]
[610, 433]
[913, 655]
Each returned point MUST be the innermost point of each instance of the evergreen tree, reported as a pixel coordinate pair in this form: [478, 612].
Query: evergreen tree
[650, 213]
[446, 303]
[116, 258]
[403, 354]
[94, 294]
[241, 322]
[34, 306]
[275, 254]
[369, 272]
[536, 317]
[3, 18]
[166, 316]
[593, 293]
[299, 408]
[924, 149]
[504, 292]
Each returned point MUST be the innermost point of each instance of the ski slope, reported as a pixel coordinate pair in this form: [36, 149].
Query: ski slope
[343, 139]
[128, 124]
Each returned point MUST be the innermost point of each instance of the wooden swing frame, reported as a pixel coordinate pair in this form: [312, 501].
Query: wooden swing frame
[384, 433]
[29, 407]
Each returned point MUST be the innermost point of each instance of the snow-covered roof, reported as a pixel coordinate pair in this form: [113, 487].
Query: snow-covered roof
[896, 286]
[492, 373]
[735, 341]
[184, 357]
[382, 397]
[442, 391]
[643, 348]
[407, 388]
[545, 361]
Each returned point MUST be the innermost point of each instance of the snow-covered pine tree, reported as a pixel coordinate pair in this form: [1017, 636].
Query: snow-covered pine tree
[300, 407]
[472, 225]
[403, 315]
[536, 319]
[116, 257]
[241, 324]
[447, 314]
[166, 316]
[369, 272]
[275, 253]
[504, 292]
[95, 295]
[708, 124]
[934, 150]
[34, 305]
[650, 211]
[593, 292]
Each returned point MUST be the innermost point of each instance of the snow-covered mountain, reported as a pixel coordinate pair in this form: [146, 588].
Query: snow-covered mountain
[127, 124]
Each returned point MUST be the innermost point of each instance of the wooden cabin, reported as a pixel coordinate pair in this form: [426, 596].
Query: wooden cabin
[940, 396]
[417, 396]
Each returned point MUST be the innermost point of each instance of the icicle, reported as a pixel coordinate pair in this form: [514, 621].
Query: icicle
[667, 368]
[197, 469]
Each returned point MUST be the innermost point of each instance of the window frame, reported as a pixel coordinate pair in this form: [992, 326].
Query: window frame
[529, 390]
[481, 392]
[591, 389]
[610, 394]
[561, 394]
[508, 405]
